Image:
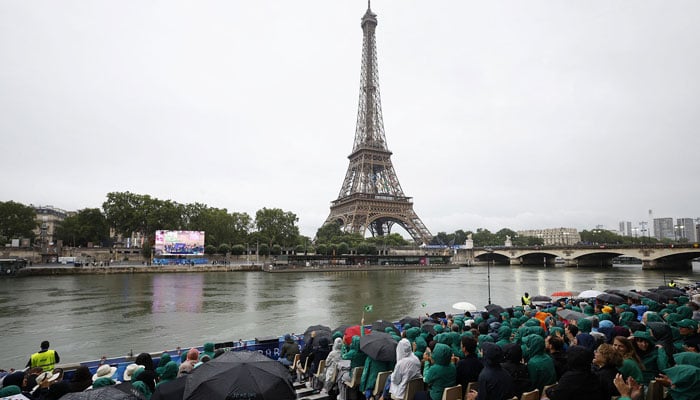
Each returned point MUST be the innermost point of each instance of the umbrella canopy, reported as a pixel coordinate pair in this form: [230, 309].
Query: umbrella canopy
[540, 298]
[658, 297]
[628, 294]
[495, 309]
[321, 331]
[173, 390]
[428, 326]
[464, 306]
[610, 298]
[563, 293]
[352, 331]
[670, 292]
[380, 325]
[570, 314]
[105, 393]
[589, 294]
[379, 346]
[239, 373]
[409, 321]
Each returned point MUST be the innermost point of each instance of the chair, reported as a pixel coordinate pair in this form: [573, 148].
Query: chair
[533, 395]
[379, 384]
[472, 386]
[544, 389]
[414, 386]
[319, 377]
[302, 371]
[355, 378]
[655, 391]
[297, 357]
[452, 393]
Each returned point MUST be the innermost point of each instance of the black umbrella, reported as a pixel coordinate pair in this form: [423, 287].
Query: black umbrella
[379, 346]
[321, 331]
[409, 321]
[628, 294]
[173, 390]
[540, 298]
[658, 297]
[240, 374]
[495, 309]
[105, 393]
[428, 326]
[610, 298]
[570, 314]
[341, 329]
[670, 292]
[381, 325]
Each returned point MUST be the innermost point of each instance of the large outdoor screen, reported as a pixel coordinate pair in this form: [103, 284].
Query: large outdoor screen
[175, 243]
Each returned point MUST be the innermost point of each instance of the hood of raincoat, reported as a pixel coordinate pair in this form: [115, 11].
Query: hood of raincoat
[646, 336]
[584, 325]
[493, 355]
[504, 333]
[513, 353]
[169, 371]
[442, 354]
[403, 349]
[579, 358]
[685, 382]
[337, 344]
[535, 345]
[585, 340]
[412, 334]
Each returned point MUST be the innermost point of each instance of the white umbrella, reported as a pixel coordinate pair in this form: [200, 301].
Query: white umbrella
[587, 294]
[464, 306]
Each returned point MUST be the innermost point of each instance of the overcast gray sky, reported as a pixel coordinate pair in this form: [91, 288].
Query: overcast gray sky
[519, 114]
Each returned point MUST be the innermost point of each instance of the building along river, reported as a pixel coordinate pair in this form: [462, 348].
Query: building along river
[87, 316]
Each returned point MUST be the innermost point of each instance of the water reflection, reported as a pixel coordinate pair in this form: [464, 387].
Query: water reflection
[177, 293]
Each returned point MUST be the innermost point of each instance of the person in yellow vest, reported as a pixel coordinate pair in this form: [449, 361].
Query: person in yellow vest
[525, 300]
[672, 284]
[44, 358]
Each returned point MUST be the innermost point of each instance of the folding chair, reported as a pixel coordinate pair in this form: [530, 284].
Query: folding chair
[533, 395]
[655, 391]
[356, 377]
[452, 393]
[472, 386]
[302, 371]
[414, 386]
[544, 389]
[319, 377]
[379, 384]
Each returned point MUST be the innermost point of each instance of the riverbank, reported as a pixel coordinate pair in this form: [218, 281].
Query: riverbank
[52, 269]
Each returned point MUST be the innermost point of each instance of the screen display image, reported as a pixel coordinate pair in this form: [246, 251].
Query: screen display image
[173, 243]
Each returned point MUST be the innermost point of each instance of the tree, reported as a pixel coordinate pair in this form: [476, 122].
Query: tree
[16, 221]
[276, 250]
[86, 226]
[276, 226]
[209, 249]
[237, 250]
[224, 248]
[264, 250]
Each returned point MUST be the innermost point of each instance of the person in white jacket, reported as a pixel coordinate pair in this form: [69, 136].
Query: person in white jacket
[408, 367]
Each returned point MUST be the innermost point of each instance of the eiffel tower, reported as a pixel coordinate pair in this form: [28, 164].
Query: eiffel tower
[371, 196]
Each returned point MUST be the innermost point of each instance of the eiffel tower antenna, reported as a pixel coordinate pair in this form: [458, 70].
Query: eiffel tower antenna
[371, 197]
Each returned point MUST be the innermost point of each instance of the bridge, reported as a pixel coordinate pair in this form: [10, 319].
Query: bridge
[652, 256]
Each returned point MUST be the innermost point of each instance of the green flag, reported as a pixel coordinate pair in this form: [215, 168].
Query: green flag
[423, 304]
[368, 308]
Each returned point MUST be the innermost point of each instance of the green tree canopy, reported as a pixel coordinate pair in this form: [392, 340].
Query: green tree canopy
[275, 226]
[16, 221]
[86, 226]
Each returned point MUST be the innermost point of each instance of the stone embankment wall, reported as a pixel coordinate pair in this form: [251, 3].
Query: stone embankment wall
[38, 271]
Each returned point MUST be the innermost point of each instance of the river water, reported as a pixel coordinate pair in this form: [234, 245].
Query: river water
[87, 316]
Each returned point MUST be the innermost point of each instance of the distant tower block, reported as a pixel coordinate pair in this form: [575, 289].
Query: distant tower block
[371, 196]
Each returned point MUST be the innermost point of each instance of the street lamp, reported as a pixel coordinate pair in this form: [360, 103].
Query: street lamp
[488, 271]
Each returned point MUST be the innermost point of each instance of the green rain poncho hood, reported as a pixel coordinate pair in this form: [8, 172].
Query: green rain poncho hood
[355, 355]
[164, 359]
[539, 365]
[504, 333]
[412, 333]
[442, 373]
[169, 372]
[685, 382]
[584, 325]
[208, 350]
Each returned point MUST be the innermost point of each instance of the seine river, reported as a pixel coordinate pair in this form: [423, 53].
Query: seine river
[87, 316]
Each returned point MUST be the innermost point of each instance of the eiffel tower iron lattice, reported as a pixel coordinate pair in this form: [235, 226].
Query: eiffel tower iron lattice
[371, 196]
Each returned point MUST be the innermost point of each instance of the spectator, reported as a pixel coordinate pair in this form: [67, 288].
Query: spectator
[606, 362]
[468, 368]
[540, 366]
[631, 363]
[578, 382]
[513, 364]
[407, 367]
[494, 381]
[290, 348]
[438, 372]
